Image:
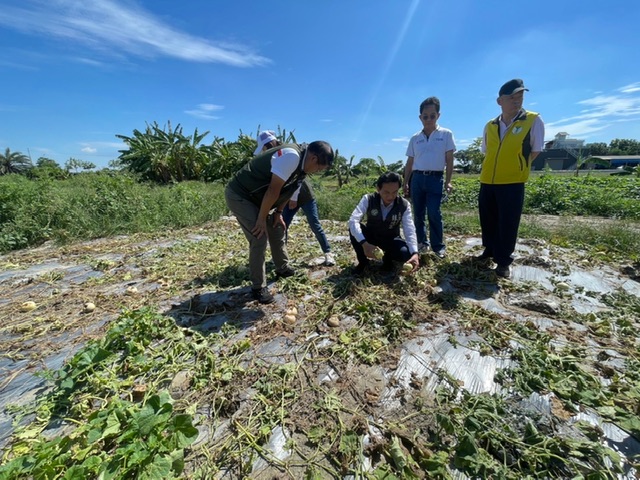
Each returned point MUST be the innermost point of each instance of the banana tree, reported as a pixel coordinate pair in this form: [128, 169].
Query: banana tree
[342, 169]
[164, 155]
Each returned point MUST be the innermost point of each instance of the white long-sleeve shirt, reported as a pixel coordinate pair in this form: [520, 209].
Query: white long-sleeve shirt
[408, 227]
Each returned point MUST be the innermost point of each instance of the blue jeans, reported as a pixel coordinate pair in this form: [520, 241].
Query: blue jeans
[310, 209]
[426, 197]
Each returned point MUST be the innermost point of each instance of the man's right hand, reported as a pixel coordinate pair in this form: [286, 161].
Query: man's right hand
[260, 228]
[368, 249]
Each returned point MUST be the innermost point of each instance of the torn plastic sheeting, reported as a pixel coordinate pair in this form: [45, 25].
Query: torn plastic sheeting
[583, 304]
[76, 274]
[615, 437]
[31, 272]
[275, 448]
[276, 350]
[424, 355]
[527, 273]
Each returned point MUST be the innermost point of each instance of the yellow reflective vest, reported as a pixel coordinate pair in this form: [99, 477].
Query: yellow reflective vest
[507, 160]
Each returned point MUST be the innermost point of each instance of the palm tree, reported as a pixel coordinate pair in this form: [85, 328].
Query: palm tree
[14, 162]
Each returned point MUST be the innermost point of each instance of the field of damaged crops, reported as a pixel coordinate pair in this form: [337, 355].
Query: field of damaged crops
[143, 356]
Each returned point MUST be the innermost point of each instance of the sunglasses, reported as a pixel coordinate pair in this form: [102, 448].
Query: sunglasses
[433, 116]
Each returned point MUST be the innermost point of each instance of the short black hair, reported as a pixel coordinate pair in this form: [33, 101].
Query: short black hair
[389, 177]
[323, 151]
[435, 101]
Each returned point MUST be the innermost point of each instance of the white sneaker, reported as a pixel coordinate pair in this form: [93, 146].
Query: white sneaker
[329, 259]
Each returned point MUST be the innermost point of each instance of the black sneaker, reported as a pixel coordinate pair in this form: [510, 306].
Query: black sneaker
[503, 271]
[262, 295]
[359, 269]
[387, 266]
[484, 260]
[285, 272]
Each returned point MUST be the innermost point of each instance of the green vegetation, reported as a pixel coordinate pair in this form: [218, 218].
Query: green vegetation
[550, 194]
[133, 404]
[98, 204]
[93, 205]
[117, 434]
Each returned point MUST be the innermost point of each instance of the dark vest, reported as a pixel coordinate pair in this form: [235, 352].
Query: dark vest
[390, 226]
[306, 193]
[252, 180]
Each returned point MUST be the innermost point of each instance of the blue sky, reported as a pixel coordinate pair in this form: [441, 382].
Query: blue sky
[76, 73]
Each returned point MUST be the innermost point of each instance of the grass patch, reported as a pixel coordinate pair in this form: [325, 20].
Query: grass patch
[88, 206]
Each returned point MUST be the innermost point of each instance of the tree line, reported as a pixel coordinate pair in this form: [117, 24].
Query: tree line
[167, 155]
[18, 162]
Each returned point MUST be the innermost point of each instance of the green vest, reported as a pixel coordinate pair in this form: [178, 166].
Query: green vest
[507, 160]
[252, 180]
[306, 193]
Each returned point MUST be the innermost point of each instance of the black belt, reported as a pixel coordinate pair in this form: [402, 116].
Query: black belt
[437, 173]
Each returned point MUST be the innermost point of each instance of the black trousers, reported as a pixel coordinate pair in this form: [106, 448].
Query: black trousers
[500, 208]
[394, 248]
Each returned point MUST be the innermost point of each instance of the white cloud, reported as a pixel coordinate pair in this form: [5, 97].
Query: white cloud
[602, 111]
[91, 148]
[634, 87]
[204, 111]
[400, 139]
[112, 27]
[462, 143]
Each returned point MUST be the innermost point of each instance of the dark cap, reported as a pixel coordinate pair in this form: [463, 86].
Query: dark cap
[512, 86]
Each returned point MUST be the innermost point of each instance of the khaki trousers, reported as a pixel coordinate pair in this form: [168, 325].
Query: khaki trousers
[247, 214]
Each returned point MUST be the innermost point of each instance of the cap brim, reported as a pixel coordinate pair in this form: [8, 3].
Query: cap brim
[515, 90]
[257, 150]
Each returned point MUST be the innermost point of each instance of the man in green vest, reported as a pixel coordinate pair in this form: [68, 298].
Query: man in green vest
[257, 194]
[510, 143]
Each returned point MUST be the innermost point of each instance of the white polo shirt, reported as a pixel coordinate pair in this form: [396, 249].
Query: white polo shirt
[429, 152]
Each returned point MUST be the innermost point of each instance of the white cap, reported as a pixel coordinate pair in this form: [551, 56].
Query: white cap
[264, 138]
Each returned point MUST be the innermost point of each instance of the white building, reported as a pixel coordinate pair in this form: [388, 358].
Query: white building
[561, 141]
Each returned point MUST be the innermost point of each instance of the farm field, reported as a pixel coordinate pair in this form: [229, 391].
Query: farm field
[175, 373]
